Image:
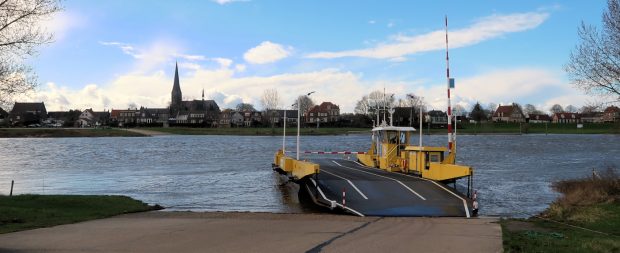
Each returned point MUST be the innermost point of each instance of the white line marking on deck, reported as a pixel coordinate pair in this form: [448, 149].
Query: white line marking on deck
[349, 181]
[341, 206]
[401, 183]
[440, 186]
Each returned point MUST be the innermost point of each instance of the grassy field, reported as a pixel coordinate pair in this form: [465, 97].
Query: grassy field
[259, 131]
[64, 132]
[24, 212]
[586, 218]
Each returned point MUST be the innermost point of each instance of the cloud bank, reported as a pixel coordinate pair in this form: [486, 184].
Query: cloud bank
[483, 29]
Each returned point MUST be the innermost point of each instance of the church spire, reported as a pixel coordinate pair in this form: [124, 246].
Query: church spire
[177, 96]
[177, 85]
[203, 94]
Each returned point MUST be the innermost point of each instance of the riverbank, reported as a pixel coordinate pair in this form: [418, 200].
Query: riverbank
[259, 131]
[65, 132]
[23, 212]
[586, 218]
[466, 128]
[260, 232]
[532, 128]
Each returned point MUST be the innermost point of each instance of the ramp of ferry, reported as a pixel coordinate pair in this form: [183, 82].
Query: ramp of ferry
[374, 192]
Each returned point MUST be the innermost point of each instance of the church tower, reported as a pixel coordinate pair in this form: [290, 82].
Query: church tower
[177, 97]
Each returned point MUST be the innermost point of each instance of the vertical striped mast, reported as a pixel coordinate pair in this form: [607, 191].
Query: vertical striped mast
[448, 86]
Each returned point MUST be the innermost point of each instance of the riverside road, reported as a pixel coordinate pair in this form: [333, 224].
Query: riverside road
[260, 232]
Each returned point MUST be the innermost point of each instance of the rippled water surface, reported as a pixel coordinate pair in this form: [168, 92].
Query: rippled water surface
[233, 173]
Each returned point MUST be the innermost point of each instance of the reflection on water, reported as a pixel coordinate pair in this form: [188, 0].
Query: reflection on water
[233, 173]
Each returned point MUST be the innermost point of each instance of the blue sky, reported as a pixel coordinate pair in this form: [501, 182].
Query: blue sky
[109, 54]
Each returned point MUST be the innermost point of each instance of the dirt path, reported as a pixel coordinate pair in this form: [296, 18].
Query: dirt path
[260, 232]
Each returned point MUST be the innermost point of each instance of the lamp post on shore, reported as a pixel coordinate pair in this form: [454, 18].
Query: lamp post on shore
[298, 120]
[284, 134]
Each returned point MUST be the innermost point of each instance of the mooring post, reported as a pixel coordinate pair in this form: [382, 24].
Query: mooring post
[12, 182]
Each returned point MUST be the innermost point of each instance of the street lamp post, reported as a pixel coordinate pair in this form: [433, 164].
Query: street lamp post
[284, 133]
[298, 121]
[411, 113]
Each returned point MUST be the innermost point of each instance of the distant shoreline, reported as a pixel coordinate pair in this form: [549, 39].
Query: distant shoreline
[268, 131]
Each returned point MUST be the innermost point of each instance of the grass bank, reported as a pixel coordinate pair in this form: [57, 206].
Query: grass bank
[64, 132]
[24, 212]
[262, 131]
[586, 218]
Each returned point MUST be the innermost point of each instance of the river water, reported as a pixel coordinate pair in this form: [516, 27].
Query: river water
[513, 173]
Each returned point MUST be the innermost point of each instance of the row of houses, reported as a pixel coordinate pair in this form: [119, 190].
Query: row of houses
[35, 114]
[513, 113]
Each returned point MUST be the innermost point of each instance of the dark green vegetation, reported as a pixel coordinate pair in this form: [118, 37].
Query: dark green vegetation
[534, 128]
[463, 128]
[24, 212]
[63, 132]
[260, 131]
[466, 128]
[592, 204]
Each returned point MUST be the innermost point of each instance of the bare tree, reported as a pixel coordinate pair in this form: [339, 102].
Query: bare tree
[490, 110]
[306, 103]
[20, 34]
[570, 108]
[556, 109]
[589, 108]
[270, 99]
[459, 110]
[594, 65]
[363, 106]
[530, 109]
[414, 101]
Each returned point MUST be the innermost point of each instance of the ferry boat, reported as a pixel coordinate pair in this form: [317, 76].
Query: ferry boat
[393, 178]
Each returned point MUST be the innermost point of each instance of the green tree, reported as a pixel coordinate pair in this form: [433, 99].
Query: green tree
[477, 113]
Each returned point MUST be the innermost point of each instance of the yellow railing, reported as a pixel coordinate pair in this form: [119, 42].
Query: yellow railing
[296, 169]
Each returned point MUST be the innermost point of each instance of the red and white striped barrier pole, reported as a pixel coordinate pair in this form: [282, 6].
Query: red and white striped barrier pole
[448, 84]
[334, 152]
[344, 196]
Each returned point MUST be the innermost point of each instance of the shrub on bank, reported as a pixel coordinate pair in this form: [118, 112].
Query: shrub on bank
[603, 188]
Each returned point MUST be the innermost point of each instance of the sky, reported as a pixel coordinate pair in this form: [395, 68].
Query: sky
[113, 54]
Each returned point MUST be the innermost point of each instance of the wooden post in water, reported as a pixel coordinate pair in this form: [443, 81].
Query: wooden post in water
[12, 182]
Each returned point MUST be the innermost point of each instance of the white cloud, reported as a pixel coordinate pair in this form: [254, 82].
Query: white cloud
[266, 52]
[340, 87]
[483, 29]
[157, 53]
[505, 86]
[224, 62]
[190, 57]
[372, 22]
[240, 67]
[64, 22]
[153, 89]
[390, 24]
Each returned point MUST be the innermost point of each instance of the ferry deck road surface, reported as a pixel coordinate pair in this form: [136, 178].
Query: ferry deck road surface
[373, 192]
[260, 232]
